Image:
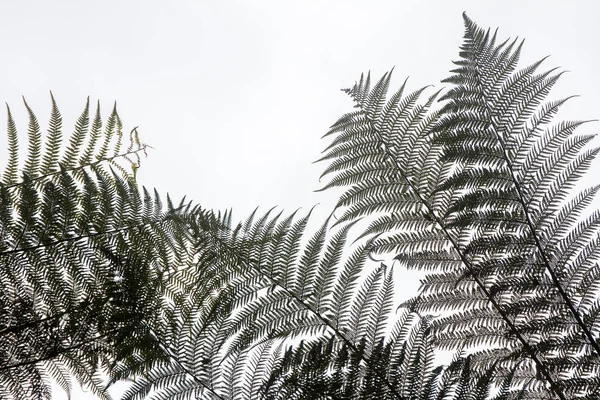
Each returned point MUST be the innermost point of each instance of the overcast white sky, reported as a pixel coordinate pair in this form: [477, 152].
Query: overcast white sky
[234, 95]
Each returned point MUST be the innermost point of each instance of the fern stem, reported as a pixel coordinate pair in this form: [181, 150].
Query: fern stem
[54, 353]
[73, 239]
[480, 284]
[81, 307]
[21, 327]
[107, 159]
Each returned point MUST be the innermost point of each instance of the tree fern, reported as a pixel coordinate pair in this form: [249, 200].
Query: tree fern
[230, 317]
[473, 184]
[81, 264]
[480, 193]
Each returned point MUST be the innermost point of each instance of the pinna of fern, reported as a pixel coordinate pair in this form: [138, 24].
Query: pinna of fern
[82, 251]
[329, 369]
[479, 193]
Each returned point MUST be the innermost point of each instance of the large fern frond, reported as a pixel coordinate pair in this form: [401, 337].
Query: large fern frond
[480, 193]
[270, 283]
[513, 171]
[83, 252]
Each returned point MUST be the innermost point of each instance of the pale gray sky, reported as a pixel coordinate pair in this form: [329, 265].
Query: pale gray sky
[234, 95]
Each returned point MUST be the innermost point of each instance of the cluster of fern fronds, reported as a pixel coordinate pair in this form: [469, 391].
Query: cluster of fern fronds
[475, 185]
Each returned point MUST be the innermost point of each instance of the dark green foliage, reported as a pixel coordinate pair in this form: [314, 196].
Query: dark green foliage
[473, 185]
[331, 369]
[83, 254]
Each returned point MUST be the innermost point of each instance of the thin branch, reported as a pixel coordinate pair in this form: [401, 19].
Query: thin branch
[100, 161]
[20, 327]
[54, 354]
[77, 238]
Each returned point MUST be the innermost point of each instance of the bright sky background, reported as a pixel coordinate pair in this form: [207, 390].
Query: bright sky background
[235, 95]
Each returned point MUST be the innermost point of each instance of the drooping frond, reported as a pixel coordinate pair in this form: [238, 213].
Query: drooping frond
[379, 153]
[83, 253]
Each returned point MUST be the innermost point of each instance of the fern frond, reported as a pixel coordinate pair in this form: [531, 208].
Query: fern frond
[263, 290]
[81, 266]
[481, 193]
